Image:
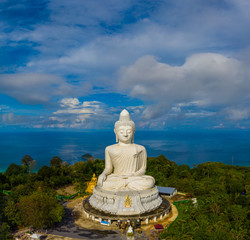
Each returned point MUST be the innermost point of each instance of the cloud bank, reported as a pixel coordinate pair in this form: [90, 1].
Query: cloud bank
[205, 80]
[38, 88]
[75, 63]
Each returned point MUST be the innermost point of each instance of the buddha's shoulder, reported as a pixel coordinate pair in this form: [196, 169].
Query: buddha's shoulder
[116, 146]
[110, 147]
[139, 147]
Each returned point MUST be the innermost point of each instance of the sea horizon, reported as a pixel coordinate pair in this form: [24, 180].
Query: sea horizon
[181, 146]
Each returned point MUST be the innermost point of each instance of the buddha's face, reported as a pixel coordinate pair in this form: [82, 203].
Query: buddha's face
[124, 134]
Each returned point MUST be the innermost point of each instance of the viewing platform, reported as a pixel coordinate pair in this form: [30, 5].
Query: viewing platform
[97, 215]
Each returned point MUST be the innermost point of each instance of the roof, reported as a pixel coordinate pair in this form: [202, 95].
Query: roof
[158, 226]
[35, 235]
[105, 222]
[166, 190]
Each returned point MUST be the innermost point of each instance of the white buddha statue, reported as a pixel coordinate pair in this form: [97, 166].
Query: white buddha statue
[125, 162]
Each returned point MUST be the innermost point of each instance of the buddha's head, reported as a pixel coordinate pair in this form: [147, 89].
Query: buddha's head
[124, 128]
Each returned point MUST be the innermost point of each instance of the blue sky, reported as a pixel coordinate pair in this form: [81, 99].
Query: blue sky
[174, 64]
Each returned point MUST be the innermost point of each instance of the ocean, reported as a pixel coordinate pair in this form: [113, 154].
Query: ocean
[183, 147]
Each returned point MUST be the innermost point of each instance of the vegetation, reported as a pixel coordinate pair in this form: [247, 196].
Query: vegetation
[27, 160]
[4, 224]
[40, 210]
[87, 156]
[221, 191]
[32, 197]
[56, 162]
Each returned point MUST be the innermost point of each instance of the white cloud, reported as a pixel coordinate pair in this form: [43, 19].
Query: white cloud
[135, 109]
[35, 88]
[88, 41]
[73, 106]
[221, 125]
[4, 108]
[199, 114]
[7, 117]
[70, 102]
[75, 114]
[15, 119]
[238, 114]
[70, 113]
[168, 32]
[204, 80]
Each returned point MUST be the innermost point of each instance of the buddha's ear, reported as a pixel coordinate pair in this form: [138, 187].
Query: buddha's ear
[116, 138]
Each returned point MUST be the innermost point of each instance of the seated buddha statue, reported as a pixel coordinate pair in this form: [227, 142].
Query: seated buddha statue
[125, 162]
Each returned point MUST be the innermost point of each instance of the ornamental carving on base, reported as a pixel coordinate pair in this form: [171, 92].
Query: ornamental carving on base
[128, 202]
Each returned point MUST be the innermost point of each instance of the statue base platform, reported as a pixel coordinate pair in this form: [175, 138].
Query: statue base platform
[159, 213]
[126, 202]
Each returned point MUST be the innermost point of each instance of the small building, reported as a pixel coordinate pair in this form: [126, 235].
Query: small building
[168, 191]
[158, 228]
[36, 236]
[106, 223]
[91, 184]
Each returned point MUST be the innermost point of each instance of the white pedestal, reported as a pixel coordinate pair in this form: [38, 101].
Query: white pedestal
[125, 202]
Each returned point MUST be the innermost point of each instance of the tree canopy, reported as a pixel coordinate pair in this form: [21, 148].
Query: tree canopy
[40, 210]
[27, 160]
[56, 162]
[221, 190]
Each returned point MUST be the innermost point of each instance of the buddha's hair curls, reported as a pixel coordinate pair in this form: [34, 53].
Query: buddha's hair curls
[125, 123]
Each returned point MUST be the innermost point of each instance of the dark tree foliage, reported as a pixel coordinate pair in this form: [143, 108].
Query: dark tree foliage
[56, 162]
[15, 169]
[54, 176]
[98, 166]
[15, 175]
[221, 191]
[40, 210]
[87, 156]
[5, 231]
[5, 227]
[20, 191]
[12, 213]
[3, 181]
[45, 172]
[157, 165]
[27, 160]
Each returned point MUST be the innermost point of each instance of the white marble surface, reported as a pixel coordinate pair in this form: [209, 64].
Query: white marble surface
[123, 188]
[125, 162]
[125, 202]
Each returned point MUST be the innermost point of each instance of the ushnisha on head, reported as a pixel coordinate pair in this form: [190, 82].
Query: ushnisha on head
[124, 122]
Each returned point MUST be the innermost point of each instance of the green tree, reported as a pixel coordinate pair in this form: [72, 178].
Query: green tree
[160, 168]
[16, 174]
[40, 210]
[183, 171]
[87, 156]
[27, 160]
[14, 169]
[98, 166]
[56, 162]
[4, 224]
[12, 213]
[20, 191]
[5, 231]
[44, 173]
[3, 181]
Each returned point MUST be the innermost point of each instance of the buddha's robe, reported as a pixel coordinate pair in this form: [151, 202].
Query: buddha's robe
[128, 164]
